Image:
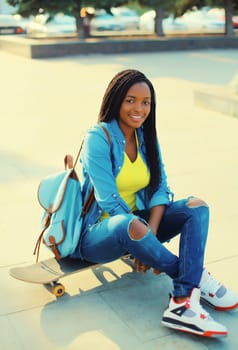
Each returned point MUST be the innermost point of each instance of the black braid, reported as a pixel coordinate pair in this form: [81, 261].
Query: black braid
[110, 107]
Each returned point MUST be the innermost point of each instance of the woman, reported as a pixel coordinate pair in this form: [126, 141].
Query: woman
[134, 211]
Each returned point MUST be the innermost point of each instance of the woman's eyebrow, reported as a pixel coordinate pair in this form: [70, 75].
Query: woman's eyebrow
[145, 97]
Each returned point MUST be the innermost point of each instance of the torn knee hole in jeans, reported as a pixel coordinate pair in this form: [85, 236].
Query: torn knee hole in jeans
[137, 229]
[194, 202]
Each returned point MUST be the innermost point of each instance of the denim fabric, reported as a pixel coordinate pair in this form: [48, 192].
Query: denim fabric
[109, 239]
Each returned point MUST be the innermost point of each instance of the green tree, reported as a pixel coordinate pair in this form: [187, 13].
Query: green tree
[71, 7]
[106, 4]
[32, 7]
[178, 7]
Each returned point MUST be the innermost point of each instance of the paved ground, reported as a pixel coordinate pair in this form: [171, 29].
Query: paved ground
[45, 108]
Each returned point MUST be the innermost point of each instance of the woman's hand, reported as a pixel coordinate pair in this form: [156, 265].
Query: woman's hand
[139, 267]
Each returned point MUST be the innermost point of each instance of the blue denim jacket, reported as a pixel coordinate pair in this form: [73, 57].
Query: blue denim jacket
[101, 163]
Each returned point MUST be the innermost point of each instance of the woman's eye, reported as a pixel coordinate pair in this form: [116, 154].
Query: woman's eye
[147, 103]
[130, 100]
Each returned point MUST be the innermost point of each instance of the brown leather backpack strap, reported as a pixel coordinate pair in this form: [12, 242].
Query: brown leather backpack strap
[68, 162]
[107, 134]
[88, 203]
[78, 154]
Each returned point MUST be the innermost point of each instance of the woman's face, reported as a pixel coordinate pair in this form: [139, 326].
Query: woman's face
[135, 107]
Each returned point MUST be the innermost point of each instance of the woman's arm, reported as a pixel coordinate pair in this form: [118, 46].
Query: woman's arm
[156, 214]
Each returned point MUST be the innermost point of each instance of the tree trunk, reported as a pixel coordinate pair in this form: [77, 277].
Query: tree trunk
[80, 27]
[229, 30]
[159, 21]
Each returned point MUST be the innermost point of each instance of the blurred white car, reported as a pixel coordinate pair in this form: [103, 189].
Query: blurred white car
[106, 22]
[196, 21]
[147, 21]
[9, 25]
[45, 26]
[22, 21]
[170, 24]
[128, 17]
[220, 13]
[203, 21]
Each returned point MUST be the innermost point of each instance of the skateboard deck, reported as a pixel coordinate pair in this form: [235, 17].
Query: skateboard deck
[50, 271]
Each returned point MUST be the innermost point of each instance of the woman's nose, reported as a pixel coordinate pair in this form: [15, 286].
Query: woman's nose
[138, 106]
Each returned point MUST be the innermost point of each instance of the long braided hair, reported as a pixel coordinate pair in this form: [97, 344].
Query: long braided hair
[110, 107]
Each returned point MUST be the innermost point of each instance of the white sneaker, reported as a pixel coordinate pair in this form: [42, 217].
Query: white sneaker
[215, 294]
[192, 318]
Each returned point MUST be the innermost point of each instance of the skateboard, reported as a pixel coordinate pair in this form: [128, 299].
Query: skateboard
[49, 272]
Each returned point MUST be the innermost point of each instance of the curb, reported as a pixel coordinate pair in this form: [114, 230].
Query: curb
[43, 49]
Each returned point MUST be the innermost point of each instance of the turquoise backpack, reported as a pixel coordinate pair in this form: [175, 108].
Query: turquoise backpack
[61, 198]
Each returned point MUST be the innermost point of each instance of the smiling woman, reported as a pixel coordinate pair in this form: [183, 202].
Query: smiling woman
[134, 212]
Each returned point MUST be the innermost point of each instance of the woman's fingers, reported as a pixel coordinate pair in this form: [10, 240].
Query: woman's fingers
[139, 267]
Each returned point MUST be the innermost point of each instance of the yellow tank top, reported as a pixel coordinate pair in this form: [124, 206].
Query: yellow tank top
[133, 177]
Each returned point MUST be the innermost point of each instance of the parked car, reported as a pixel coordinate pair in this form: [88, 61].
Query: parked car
[235, 22]
[22, 21]
[220, 13]
[196, 21]
[170, 24]
[147, 21]
[46, 26]
[9, 25]
[128, 17]
[105, 21]
[203, 21]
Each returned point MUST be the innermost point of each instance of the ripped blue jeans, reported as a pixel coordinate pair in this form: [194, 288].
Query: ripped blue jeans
[110, 238]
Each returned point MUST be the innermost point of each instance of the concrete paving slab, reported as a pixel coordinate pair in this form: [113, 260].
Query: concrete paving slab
[141, 307]
[17, 296]
[109, 308]
[19, 221]
[9, 338]
[175, 342]
[74, 322]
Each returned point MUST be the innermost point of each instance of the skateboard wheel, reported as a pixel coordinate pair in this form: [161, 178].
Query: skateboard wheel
[58, 290]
